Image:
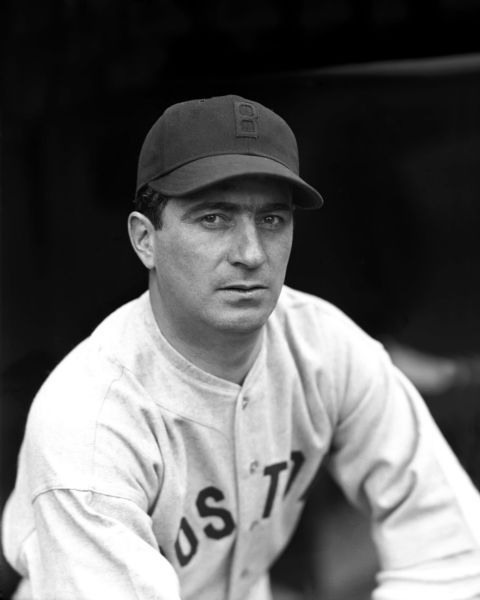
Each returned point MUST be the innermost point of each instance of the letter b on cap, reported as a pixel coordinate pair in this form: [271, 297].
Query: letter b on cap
[246, 116]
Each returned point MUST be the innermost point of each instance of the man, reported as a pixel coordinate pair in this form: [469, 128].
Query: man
[169, 455]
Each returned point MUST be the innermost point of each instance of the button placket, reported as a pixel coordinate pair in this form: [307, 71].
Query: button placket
[248, 469]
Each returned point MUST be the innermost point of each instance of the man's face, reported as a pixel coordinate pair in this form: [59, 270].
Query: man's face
[221, 255]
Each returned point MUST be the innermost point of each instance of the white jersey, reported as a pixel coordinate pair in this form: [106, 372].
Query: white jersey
[142, 476]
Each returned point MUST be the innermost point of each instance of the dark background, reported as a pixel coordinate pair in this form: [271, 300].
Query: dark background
[383, 96]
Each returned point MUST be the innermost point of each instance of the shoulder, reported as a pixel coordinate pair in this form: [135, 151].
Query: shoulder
[315, 317]
[321, 335]
[80, 382]
[90, 425]
[100, 360]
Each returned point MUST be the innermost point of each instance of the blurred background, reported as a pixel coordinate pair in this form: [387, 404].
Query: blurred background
[384, 98]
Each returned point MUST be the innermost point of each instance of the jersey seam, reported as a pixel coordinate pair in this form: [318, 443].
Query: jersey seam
[92, 490]
[100, 409]
[125, 370]
[174, 412]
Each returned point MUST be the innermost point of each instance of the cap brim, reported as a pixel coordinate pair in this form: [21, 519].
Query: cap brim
[210, 170]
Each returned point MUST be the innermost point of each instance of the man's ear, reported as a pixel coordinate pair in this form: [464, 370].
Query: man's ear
[141, 232]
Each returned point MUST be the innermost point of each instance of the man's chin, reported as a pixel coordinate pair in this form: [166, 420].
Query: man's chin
[242, 324]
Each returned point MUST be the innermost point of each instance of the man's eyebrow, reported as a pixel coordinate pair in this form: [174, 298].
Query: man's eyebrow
[225, 205]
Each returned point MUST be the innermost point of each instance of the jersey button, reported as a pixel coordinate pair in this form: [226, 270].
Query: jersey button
[245, 573]
[245, 401]
[253, 525]
[254, 465]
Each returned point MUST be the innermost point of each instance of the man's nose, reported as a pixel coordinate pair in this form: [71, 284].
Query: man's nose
[247, 248]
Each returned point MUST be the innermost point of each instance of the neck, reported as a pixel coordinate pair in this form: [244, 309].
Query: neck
[223, 354]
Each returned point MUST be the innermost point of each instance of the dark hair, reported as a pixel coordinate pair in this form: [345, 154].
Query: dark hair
[151, 204]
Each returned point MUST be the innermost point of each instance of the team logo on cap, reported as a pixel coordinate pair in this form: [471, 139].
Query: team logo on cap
[246, 115]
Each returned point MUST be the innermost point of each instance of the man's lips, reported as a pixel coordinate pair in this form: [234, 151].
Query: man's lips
[244, 287]
[241, 293]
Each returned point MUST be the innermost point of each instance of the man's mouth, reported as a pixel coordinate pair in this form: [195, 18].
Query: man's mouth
[244, 287]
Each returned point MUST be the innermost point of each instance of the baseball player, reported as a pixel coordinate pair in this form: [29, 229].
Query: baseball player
[169, 455]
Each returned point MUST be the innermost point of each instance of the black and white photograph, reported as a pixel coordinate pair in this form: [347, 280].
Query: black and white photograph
[240, 300]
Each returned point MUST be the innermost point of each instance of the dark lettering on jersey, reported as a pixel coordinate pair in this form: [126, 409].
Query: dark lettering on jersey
[273, 471]
[207, 504]
[184, 556]
[206, 510]
[298, 458]
[187, 542]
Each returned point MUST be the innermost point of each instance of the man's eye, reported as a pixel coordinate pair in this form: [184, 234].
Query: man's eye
[213, 220]
[273, 221]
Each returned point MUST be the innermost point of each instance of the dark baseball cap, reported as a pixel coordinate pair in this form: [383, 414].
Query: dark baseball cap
[199, 143]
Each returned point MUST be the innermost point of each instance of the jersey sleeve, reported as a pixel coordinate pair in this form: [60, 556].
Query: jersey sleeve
[392, 461]
[88, 545]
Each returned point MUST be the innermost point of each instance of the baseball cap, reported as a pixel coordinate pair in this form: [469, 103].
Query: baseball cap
[199, 143]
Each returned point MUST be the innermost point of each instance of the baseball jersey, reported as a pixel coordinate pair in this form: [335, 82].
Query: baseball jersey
[141, 476]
